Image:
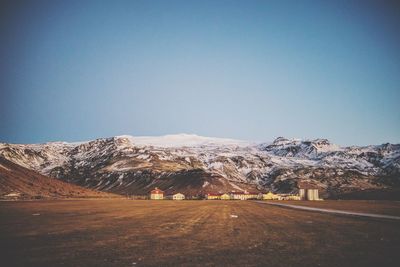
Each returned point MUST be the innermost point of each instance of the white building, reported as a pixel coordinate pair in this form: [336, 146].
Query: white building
[156, 194]
[178, 196]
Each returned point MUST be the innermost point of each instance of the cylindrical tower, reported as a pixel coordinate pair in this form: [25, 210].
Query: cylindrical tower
[310, 194]
[316, 197]
[302, 194]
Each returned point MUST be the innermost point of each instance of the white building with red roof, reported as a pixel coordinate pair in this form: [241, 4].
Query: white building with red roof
[156, 194]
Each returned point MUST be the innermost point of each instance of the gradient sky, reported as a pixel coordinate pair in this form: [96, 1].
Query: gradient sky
[253, 70]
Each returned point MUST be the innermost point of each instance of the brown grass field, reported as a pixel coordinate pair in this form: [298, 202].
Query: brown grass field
[369, 206]
[118, 232]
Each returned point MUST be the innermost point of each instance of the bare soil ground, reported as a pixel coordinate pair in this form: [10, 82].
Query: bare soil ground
[117, 232]
[368, 206]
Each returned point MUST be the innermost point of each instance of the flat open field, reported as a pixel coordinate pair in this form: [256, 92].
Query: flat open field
[368, 206]
[119, 232]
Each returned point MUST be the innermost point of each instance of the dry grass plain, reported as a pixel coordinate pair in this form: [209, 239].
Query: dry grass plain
[369, 206]
[118, 232]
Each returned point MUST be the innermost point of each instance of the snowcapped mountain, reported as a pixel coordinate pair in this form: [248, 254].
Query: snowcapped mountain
[195, 164]
[183, 140]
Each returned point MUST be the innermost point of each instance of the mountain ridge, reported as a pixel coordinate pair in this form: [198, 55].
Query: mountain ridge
[194, 164]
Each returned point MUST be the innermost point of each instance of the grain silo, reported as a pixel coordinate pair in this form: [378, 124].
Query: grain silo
[308, 191]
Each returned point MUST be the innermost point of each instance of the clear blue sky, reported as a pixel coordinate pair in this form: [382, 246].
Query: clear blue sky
[254, 70]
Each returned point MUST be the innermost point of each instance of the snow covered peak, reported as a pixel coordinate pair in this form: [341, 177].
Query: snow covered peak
[282, 141]
[323, 145]
[182, 140]
[300, 148]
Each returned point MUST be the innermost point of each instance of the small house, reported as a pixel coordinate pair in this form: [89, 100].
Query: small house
[251, 195]
[293, 197]
[156, 194]
[178, 196]
[12, 195]
[225, 197]
[289, 197]
[212, 196]
[270, 196]
[243, 195]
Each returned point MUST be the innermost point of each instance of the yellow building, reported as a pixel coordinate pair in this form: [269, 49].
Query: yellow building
[243, 195]
[211, 196]
[251, 195]
[156, 194]
[178, 196]
[291, 197]
[271, 196]
[225, 197]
